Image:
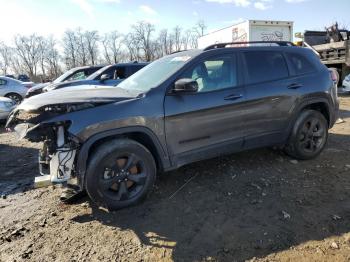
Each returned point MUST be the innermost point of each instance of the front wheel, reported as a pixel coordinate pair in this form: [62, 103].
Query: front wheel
[120, 173]
[309, 135]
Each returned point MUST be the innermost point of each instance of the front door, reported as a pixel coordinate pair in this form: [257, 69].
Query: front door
[207, 122]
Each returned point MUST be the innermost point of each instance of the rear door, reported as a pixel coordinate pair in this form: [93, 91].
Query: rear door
[208, 122]
[270, 97]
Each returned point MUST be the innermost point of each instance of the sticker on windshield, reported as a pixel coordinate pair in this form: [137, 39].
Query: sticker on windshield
[181, 59]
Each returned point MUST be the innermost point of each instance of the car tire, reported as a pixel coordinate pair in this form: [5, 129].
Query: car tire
[309, 135]
[120, 173]
[15, 97]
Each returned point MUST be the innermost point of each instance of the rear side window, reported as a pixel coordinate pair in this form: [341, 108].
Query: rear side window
[265, 66]
[133, 69]
[299, 64]
[2, 82]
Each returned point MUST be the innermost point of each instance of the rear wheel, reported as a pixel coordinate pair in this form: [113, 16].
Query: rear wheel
[15, 97]
[309, 135]
[120, 173]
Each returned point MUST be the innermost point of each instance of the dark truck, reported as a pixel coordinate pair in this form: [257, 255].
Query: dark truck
[184, 107]
[333, 47]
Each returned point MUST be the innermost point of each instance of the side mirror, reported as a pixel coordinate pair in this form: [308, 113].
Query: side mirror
[104, 77]
[185, 85]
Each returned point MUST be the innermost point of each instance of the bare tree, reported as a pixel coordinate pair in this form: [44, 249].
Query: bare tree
[177, 38]
[142, 32]
[186, 39]
[112, 44]
[5, 57]
[28, 51]
[163, 40]
[132, 46]
[70, 46]
[200, 27]
[39, 56]
[52, 59]
[42, 46]
[82, 49]
[91, 39]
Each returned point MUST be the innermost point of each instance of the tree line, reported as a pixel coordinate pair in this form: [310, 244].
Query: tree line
[44, 57]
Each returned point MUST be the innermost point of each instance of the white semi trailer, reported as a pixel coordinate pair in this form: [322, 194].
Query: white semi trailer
[250, 30]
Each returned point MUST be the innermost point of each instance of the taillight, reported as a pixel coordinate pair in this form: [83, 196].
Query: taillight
[28, 86]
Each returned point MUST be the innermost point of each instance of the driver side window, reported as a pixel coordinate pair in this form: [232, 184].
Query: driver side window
[77, 76]
[214, 73]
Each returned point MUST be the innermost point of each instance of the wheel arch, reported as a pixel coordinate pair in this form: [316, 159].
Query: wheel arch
[321, 107]
[141, 135]
[15, 93]
[321, 104]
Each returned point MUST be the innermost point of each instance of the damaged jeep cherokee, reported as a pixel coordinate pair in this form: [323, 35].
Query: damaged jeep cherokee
[185, 107]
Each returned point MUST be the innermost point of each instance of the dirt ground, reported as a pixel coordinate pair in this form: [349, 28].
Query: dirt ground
[258, 205]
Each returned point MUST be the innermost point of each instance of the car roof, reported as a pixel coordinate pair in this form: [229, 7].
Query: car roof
[88, 67]
[10, 79]
[130, 63]
[296, 49]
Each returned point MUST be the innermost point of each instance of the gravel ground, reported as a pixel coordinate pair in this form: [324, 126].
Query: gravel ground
[258, 205]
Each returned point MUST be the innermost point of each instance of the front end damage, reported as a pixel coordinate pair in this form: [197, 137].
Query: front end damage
[57, 157]
[55, 119]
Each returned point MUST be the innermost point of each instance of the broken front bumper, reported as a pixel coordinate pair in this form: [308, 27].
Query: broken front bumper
[57, 156]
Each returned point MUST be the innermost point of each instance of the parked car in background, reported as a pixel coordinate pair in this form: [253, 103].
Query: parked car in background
[73, 74]
[346, 82]
[23, 78]
[6, 106]
[11, 76]
[185, 107]
[110, 75]
[14, 89]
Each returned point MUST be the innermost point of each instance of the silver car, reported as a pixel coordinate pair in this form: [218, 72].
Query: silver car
[14, 89]
[6, 106]
[346, 82]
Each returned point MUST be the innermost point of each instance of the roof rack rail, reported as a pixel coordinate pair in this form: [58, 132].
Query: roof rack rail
[179, 51]
[223, 45]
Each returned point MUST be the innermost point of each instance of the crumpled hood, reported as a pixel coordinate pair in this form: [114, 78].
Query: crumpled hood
[84, 94]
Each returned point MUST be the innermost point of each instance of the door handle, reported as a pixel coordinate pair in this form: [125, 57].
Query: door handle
[294, 86]
[233, 97]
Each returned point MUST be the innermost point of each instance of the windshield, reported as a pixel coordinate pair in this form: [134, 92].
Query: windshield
[155, 73]
[64, 76]
[98, 72]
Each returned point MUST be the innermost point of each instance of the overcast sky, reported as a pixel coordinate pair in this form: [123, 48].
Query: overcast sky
[47, 17]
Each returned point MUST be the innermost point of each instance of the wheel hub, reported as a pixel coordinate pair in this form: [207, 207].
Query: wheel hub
[123, 175]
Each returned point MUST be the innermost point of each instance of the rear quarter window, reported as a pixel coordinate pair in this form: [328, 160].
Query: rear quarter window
[263, 66]
[299, 64]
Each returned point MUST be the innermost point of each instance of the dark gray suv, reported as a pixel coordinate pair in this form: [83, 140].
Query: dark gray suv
[182, 108]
